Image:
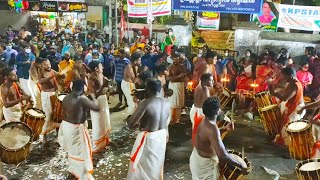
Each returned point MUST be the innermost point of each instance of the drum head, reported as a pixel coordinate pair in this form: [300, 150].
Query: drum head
[15, 135]
[267, 108]
[35, 112]
[297, 126]
[226, 92]
[239, 159]
[310, 166]
[61, 97]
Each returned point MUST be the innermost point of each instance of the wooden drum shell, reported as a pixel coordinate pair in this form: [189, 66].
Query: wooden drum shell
[300, 142]
[35, 123]
[271, 118]
[307, 175]
[233, 173]
[16, 156]
[58, 110]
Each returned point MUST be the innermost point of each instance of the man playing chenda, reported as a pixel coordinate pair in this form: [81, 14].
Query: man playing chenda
[148, 153]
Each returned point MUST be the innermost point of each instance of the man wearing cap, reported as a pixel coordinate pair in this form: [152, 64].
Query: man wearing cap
[54, 58]
[130, 77]
[23, 61]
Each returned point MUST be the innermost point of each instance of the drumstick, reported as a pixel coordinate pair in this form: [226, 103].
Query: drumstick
[242, 152]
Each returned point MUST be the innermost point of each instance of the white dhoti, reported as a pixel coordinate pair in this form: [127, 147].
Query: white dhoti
[49, 125]
[35, 93]
[24, 86]
[101, 127]
[127, 89]
[147, 156]
[203, 168]
[176, 100]
[74, 139]
[13, 113]
[195, 111]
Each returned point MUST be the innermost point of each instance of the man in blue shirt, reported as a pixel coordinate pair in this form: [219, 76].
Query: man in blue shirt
[150, 60]
[108, 62]
[120, 63]
[8, 52]
[23, 61]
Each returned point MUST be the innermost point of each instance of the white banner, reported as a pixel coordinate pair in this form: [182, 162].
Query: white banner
[139, 8]
[208, 20]
[299, 17]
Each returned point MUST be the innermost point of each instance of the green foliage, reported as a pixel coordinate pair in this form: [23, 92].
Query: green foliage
[163, 19]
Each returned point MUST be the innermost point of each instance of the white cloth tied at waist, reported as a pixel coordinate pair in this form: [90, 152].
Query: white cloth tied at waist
[147, 156]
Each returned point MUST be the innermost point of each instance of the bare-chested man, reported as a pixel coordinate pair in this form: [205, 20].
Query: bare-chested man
[33, 81]
[177, 76]
[201, 93]
[293, 95]
[148, 153]
[73, 135]
[162, 73]
[101, 128]
[12, 96]
[48, 81]
[209, 149]
[130, 77]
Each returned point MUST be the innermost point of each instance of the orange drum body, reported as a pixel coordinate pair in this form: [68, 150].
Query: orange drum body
[271, 118]
[301, 139]
[308, 169]
[225, 98]
[233, 173]
[15, 142]
[35, 119]
[264, 99]
[57, 109]
[223, 123]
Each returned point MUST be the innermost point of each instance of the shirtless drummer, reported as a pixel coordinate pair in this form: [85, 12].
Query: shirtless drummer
[33, 85]
[201, 93]
[73, 135]
[101, 128]
[209, 149]
[48, 81]
[12, 96]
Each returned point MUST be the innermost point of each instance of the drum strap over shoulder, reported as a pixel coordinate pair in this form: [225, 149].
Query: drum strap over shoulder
[54, 79]
[18, 92]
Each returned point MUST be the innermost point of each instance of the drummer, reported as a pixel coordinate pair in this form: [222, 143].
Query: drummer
[12, 96]
[48, 81]
[201, 93]
[294, 97]
[101, 127]
[73, 136]
[33, 85]
[209, 149]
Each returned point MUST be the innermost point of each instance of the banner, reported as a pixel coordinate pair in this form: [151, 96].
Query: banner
[226, 6]
[139, 8]
[72, 7]
[46, 6]
[266, 19]
[208, 20]
[299, 17]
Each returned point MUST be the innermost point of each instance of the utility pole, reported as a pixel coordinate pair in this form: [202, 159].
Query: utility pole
[110, 22]
[116, 34]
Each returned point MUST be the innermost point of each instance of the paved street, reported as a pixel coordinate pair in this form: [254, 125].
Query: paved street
[51, 163]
